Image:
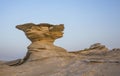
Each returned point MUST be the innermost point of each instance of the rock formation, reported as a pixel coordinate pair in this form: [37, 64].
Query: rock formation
[42, 37]
[95, 49]
[45, 59]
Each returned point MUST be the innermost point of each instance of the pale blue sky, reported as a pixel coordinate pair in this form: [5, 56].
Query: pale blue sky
[86, 22]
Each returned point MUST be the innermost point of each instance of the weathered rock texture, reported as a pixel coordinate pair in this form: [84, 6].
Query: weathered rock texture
[95, 49]
[45, 59]
[42, 37]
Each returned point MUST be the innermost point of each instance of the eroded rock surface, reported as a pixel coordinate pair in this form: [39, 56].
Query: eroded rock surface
[95, 49]
[42, 37]
[45, 59]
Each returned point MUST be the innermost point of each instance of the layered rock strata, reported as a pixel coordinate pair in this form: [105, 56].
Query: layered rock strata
[45, 59]
[42, 37]
[95, 49]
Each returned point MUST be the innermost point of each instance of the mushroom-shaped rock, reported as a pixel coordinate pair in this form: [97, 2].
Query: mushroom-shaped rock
[42, 32]
[42, 37]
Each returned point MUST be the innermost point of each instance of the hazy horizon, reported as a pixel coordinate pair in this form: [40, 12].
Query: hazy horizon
[86, 22]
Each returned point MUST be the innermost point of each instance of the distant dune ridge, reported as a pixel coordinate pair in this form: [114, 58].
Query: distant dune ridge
[46, 59]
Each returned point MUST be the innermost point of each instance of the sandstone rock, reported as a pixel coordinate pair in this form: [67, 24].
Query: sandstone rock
[114, 53]
[42, 37]
[116, 49]
[95, 49]
[45, 59]
[97, 46]
[42, 32]
[14, 62]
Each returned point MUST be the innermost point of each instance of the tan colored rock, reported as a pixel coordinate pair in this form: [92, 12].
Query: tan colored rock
[114, 53]
[45, 59]
[42, 37]
[42, 32]
[95, 49]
